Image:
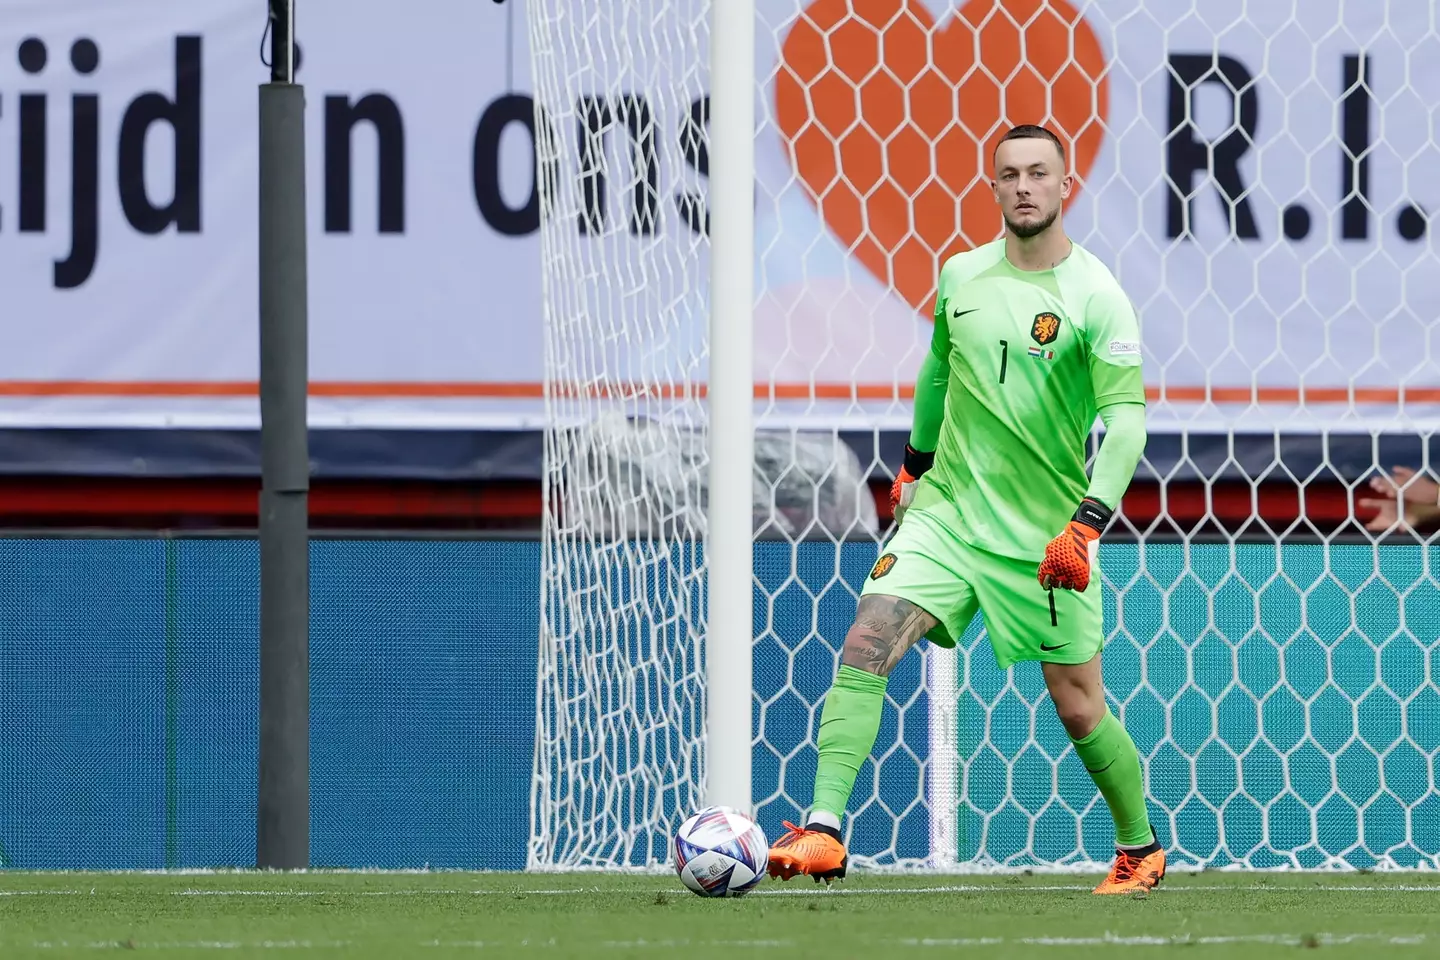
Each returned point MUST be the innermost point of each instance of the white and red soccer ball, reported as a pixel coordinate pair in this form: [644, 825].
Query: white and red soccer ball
[720, 852]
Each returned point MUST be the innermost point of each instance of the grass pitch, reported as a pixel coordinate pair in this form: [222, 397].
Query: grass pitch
[596, 915]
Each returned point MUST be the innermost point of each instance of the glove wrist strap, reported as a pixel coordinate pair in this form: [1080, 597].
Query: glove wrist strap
[916, 462]
[1093, 513]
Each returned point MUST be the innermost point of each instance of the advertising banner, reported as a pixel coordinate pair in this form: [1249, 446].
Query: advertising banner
[1259, 177]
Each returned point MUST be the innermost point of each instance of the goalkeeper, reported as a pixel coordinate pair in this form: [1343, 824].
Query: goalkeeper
[1033, 337]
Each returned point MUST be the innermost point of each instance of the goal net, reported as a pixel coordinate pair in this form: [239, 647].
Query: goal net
[1257, 176]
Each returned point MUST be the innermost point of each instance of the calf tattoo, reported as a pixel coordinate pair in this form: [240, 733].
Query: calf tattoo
[885, 627]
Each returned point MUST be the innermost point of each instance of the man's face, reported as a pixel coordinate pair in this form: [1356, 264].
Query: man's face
[1030, 185]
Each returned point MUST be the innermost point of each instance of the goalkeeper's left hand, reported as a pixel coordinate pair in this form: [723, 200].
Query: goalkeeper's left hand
[902, 491]
[1069, 557]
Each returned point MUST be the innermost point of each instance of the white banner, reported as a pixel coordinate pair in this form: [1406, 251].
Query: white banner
[1259, 183]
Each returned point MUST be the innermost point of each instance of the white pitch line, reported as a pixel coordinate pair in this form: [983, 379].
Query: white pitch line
[189, 945]
[421, 892]
[251, 871]
[1112, 940]
[1079, 887]
[801, 892]
[1108, 940]
[820, 891]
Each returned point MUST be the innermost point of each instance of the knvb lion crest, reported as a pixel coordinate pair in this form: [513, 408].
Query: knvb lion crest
[882, 566]
[1045, 328]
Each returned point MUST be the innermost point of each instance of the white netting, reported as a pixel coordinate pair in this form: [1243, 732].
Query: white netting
[620, 694]
[1257, 177]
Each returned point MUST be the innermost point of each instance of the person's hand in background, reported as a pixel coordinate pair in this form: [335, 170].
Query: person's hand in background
[1405, 499]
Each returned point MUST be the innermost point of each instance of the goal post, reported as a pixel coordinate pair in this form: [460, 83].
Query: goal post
[732, 331]
[729, 557]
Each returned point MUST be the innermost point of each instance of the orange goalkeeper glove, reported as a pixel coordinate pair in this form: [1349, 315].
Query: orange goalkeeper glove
[902, 491]
[1069, 557]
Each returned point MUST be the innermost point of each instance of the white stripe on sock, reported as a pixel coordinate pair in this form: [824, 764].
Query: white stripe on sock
[825, 818]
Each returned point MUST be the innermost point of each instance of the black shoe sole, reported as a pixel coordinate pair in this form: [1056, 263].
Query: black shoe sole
[837, 874]
[826, 875]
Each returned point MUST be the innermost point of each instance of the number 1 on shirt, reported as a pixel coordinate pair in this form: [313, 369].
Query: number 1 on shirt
[1004, 358]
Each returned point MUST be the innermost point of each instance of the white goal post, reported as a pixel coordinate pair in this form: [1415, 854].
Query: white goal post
[744, 208]
[729, 556]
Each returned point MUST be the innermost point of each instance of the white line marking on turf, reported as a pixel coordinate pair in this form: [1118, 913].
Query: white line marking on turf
[191, 944]
[1113, 940]
[819, 891]
[324, 893]
[1078, 888]
[671, 944]
[1108, 940]
[834, 891]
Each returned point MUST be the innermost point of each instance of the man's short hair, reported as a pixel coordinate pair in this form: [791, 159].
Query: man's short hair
[1030, 131]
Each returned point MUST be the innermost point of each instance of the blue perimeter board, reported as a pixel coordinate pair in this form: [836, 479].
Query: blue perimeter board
[128, 692]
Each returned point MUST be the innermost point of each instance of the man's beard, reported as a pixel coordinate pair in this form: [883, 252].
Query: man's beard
[1027, 230]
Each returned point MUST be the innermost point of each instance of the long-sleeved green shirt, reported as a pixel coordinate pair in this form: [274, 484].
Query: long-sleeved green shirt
[1020, 364]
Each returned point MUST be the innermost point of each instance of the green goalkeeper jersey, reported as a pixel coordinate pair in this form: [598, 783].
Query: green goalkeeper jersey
[1026, 359]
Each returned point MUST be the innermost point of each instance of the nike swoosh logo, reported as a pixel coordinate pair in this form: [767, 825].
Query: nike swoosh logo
[961, 313]
[1058, 646]
[1102, 769]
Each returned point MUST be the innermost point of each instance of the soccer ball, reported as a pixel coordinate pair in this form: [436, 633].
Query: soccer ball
[720, 852]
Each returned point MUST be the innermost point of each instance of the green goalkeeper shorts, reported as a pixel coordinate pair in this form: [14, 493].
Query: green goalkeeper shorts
[927, 563]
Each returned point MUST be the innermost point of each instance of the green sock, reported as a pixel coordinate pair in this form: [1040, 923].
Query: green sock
[1113, 763]
[849, 724]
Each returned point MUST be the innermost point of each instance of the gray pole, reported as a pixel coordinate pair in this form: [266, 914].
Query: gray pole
[282, 839]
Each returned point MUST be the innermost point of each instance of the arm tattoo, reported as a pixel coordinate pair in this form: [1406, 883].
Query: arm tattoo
[884, 628]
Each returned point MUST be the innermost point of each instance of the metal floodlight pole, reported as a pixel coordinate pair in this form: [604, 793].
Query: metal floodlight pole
[282, 838]
[729, 547]
[282, 41]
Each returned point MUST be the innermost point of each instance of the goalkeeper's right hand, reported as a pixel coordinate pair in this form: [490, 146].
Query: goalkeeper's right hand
[902, 491]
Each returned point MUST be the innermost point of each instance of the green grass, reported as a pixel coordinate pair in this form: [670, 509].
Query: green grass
[600, 915]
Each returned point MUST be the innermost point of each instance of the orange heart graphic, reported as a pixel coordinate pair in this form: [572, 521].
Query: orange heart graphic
[892, 120]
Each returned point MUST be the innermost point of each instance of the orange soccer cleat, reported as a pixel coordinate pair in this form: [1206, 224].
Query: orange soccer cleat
[814, 853]
[1134, 871]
